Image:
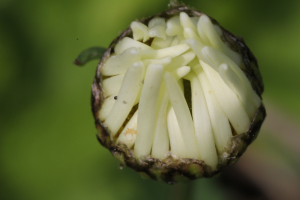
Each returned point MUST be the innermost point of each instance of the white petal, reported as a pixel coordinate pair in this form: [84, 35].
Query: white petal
[127, 43]
[128, 134]
[140, 31]
[183, 116]
[161, 53]
[161, 137]
[118, 64]
[186, 21]
[112, 85]
[220, 125]
[176, 141]
[238, 87]
[191, 34]
[126, 98]
[163, 61]
[228, 100]
[159, 43]
[203, 128]
[106, 107]
[157, 28]
[174, 27]
[180, 61]
[196, 46]
[216, 41]
[147, 110]
[219, 58]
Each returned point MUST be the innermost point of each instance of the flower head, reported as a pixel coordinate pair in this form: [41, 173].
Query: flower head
[176, 96]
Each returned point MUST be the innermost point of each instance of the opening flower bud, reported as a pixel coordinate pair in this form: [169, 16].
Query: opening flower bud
[176, 96]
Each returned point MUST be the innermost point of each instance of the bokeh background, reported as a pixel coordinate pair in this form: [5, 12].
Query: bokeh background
[48, 147]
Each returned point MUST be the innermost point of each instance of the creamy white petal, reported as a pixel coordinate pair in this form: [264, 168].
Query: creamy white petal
[175, 41]
[159, 43]
[216, 41]
[163, 61]
[176, 142]
[219, 58]
[126, 97]
[140, 31]
[118, 64]
[228, 100]
[186, 21]
[196, 46]
[161, 53]
[220, 125]
[156, 21]
[203, 128]
[112, 85]
[180, 61]
[183, 116]
[128, 134]
[127, 43]
[174, 26]
[191, 34]
[106, 107]
[238, 87]
[147, 110]
[157, 28]
[161, 137]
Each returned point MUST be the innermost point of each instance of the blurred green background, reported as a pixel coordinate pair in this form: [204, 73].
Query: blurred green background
[48, 147]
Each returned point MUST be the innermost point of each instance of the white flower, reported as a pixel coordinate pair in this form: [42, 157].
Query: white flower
[175, 88]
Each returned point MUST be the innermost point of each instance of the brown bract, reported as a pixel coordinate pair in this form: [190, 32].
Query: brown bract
[173, 169]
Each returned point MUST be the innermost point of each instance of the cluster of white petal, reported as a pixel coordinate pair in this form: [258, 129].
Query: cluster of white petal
[182, 47]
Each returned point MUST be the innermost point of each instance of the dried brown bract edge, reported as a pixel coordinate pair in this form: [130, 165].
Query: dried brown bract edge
[177, 97]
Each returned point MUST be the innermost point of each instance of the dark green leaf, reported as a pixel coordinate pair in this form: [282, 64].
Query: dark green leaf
[88, 55]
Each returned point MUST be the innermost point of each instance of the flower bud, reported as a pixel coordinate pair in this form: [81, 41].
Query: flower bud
[177, 97]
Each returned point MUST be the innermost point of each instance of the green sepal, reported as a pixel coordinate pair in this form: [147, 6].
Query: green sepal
[88, 55]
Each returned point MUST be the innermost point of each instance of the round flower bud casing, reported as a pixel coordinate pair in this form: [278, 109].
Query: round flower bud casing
[172, 167]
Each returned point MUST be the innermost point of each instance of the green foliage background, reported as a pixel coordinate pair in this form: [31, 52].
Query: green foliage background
[48, 148]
